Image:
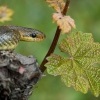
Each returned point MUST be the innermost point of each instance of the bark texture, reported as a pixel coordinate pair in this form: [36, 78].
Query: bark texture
[18, 75]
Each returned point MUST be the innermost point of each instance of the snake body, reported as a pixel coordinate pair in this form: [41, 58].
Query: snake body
[11, 35]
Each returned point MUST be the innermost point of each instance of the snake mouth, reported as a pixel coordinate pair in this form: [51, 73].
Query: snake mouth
[39, 37]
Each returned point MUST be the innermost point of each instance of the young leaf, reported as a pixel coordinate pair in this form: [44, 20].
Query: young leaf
[58, 5]
[65, 23]
[81, 67]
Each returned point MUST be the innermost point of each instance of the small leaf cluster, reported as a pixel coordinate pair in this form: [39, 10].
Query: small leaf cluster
[65, 23]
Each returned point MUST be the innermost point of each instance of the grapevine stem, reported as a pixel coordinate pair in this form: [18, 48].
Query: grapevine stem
[55, 40]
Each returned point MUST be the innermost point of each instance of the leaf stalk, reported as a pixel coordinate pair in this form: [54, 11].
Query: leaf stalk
[55, 40]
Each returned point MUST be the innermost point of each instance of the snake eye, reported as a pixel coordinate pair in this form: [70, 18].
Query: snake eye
[33, 35]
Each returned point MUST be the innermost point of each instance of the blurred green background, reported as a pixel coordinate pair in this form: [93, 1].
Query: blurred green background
[37, 14]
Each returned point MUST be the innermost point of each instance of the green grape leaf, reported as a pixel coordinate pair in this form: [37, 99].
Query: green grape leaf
[81, 66]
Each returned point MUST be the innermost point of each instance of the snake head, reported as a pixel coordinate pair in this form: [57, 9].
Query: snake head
[28, 34]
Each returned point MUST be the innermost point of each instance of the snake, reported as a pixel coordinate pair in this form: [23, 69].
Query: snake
[11, 35]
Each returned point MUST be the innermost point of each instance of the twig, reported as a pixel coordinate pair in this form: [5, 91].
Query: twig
[55, 40]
